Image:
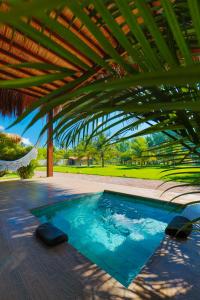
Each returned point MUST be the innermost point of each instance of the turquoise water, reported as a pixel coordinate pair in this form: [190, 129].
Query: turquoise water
[118, 233]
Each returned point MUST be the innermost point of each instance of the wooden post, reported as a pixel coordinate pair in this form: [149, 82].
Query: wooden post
[50, 146]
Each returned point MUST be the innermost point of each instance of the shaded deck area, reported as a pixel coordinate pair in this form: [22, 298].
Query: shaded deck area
[28, 270]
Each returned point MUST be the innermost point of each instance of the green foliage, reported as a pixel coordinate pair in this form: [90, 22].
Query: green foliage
[123, 146]
[28, 171]
[10, 149]
[159, 74]
[148, 150]
[42, 153]
[129, 171]
[104, 152]
[59, 154]
[157, 139]
[9, 176]
[84, 150]
[3, 173]
[139, 147]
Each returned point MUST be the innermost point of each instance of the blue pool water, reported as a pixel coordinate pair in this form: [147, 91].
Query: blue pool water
[119, 233]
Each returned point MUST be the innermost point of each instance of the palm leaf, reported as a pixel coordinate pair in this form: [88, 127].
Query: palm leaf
[33, 81]
[155, 32]
[176, 30]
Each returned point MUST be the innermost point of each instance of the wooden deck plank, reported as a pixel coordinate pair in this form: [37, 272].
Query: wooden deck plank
[28, 270]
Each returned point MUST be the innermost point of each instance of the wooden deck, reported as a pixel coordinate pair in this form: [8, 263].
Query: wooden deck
[28, 270]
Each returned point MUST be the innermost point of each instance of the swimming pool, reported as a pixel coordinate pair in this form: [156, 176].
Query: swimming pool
[119, 233]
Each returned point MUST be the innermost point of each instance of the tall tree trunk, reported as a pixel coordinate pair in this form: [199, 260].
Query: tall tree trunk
[88, 161]
[102, 159]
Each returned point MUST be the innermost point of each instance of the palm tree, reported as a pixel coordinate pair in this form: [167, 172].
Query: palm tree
[145, 59]
[125, 64]
[139, 147]
[100, 146]
[85, 150]
[130, 66]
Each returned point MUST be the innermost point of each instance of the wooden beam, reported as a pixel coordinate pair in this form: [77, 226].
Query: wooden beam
[50, 146]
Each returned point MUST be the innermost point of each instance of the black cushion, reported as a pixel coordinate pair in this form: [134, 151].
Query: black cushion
[179, 227]
[50, 234]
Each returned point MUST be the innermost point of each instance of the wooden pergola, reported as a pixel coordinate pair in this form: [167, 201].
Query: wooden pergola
[63, 39]
[16, 48]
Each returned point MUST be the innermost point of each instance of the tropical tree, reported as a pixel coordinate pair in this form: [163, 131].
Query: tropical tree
[139, 147]
[124, 152]
[100, 146]
[123, 146]
[90, 152]
[136, 70]
[42, 153]
[84, 149]
[11, 148]
[156, 139]
[59, 154]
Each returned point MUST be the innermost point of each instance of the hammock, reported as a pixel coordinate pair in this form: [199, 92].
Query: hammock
[24, 161]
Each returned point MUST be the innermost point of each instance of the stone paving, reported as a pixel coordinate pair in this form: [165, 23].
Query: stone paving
[129, 185]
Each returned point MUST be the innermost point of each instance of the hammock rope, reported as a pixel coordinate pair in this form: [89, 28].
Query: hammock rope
[14, 165]
[24, 161]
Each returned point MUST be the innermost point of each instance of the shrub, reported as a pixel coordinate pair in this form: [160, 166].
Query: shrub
[3, 173]
[28, 171]
[11, 148]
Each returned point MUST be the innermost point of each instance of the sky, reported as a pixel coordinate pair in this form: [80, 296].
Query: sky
[30, 137]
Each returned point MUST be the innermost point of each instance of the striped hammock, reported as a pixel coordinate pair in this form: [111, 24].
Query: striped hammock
[24, 161]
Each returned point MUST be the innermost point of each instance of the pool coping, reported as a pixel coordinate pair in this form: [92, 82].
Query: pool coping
[64, 200]
[180, 205]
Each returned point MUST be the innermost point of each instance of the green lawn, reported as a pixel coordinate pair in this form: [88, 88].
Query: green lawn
[9, 176]
[123, 171]
[129, 172]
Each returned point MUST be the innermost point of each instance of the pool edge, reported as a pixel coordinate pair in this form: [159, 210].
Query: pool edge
[146, 198]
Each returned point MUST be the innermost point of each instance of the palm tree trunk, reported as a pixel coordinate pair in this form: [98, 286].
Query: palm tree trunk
[102, 159]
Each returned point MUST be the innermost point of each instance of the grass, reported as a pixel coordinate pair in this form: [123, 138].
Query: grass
[154, 173]
[9, 176]
[118, 171]
[129, 172]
